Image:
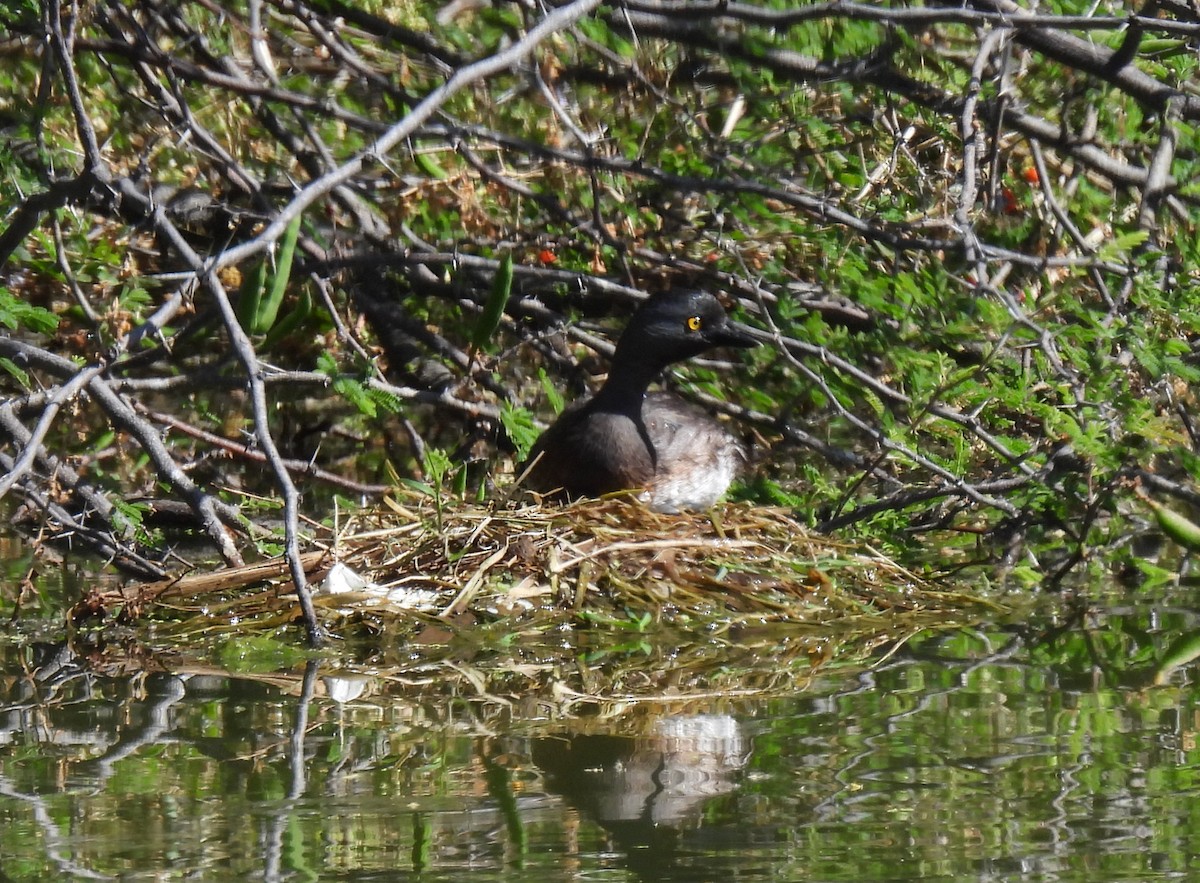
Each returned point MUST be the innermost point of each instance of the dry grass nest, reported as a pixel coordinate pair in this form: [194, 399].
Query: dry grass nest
[594, 611]
[419, 562]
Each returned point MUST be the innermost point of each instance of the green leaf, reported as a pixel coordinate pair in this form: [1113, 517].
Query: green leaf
[15, 315]
[11, 367]
[1182, 651]
[268, 310]
[327, 364]
[295, 317]
[493, 309]
[552, 394]
[420, 487]
[129, 515]
[250, 296]
[519, 427]
[427, 164]
[437, 465]
[1123, 244]
[385, 401]
[1179, 528]
[356, 394]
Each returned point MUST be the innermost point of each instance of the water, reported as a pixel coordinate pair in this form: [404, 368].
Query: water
[1057, 752]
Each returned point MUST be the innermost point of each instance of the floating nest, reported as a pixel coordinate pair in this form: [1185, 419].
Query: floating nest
[419, 561]
[565, 606]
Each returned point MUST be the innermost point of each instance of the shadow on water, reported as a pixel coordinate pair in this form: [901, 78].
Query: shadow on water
[1064, 747]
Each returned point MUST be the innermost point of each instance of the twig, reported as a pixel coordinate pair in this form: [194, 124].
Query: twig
[301, 467]
[560, 18]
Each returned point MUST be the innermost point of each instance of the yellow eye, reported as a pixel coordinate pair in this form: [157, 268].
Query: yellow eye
[694, 323]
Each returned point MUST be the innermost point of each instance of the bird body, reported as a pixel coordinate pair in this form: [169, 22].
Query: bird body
[625, 439]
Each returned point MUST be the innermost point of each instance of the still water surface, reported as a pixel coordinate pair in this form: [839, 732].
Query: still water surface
[1048, 753]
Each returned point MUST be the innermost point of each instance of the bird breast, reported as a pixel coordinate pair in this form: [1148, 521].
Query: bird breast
[696, 457]
[672, 453]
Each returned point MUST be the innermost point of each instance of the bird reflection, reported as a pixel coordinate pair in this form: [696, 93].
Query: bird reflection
[649, 791]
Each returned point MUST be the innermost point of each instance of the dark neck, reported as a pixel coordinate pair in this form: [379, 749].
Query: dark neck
[628, 380]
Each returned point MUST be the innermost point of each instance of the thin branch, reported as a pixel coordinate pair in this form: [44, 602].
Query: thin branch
[560, 18]
[33, 443]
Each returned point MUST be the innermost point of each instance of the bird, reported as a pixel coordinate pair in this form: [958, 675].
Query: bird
[670, 453]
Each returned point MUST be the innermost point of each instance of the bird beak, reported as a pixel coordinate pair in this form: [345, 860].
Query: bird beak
[733, 334]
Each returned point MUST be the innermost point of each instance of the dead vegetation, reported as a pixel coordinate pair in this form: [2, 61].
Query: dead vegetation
[580, 610]
[418, 563]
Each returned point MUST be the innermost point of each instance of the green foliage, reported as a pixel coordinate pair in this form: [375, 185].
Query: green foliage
[762, 489]
[16, 315]
[553, 396]
[437, 465]
[283, 329]
[519, 427]
[19, 13]
[493, 308]
[1057, 308]
[438, 468]
[369, 401]
[10, 367]
[130, 517]
[1177, 526]
[268, 310]
[264, 287]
